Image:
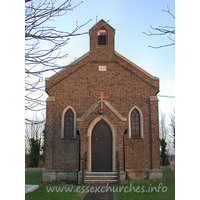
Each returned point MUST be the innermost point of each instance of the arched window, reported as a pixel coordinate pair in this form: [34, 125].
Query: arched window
[68, 129]
[135, 123]
[102, 36]
[69, 124]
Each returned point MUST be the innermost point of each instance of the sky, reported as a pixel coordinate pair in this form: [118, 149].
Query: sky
[129, 19]
[130, 22]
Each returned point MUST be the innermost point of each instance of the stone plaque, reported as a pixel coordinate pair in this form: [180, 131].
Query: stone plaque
[102, 68]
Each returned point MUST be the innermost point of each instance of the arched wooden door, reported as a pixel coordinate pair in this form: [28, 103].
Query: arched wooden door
[101, 147]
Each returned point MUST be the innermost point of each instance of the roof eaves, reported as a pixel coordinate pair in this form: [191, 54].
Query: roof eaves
[72, 63]
[137, 67]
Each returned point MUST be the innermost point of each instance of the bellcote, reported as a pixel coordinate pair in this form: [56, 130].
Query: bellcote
[102, 38]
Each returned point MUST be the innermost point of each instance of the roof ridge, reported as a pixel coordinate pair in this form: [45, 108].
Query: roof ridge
[102, 20]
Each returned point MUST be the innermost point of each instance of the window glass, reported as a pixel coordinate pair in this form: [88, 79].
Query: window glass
[135, 123]
[69, 124]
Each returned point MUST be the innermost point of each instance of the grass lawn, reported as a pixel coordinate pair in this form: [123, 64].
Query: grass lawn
[146, 189]
[142, 188]
[35, 178]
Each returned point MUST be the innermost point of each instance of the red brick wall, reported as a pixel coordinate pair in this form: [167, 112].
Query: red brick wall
[155, 134]
[79, 86]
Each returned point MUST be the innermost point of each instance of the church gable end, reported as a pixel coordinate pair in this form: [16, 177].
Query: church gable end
[103, 54]
[102, 91]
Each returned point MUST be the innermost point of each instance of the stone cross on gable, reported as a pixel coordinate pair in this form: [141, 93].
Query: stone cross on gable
[101, 98]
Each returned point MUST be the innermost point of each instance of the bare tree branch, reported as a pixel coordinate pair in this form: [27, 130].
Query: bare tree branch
[43, 44]
[172, 126]
[163, 128]
[162, 30]
[167, 45]
[168, 11]
[35, 121]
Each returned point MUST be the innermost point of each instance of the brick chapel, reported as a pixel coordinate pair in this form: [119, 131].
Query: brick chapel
[102, 117]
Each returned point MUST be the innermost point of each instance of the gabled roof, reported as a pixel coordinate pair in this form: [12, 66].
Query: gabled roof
[136, 71]
[67, 71]
[136, 66]
[83, 60]
[120, 61]
[101, 23]
[72, 63]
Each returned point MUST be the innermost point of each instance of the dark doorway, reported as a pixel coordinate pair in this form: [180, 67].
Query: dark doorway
[101, 147]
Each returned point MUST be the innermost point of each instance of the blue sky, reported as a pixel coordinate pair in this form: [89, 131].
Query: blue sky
[130, 19]
[157, 62]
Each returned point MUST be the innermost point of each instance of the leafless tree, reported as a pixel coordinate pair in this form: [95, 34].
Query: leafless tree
[172, 126]
[43, 44]
[163, 127]
[163, 140]
[33, 131]
[33, 142]
[163, 30]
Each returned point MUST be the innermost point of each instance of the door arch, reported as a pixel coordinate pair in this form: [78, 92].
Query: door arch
[101, 147]
[89, 134]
